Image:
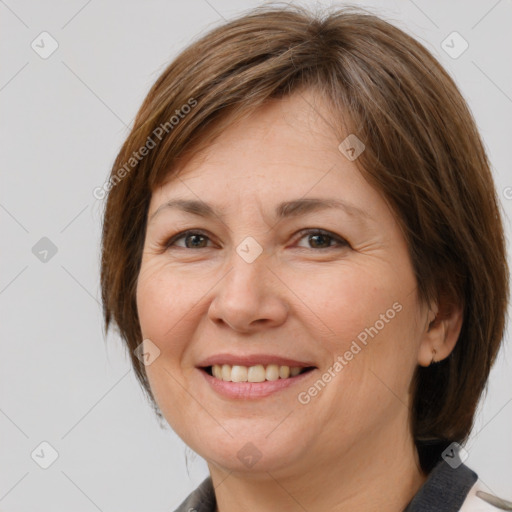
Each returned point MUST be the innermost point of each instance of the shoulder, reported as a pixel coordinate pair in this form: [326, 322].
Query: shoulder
[479, 500]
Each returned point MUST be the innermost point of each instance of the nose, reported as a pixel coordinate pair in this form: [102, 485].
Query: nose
[250, 297]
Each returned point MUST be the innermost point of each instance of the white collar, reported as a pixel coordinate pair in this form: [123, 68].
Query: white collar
[479, 500]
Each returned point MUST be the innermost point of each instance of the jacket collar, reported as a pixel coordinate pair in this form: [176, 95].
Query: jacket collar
[445, 490]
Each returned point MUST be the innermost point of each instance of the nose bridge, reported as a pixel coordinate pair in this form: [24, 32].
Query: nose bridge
[248, 294]
[247, 280]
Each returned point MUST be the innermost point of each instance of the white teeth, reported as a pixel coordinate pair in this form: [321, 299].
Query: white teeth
[284, 372]
[239, 374]
[256, 373]
[272, 372]
[217, 371]
[226, 372]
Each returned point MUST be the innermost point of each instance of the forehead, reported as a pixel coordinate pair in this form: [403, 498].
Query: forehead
[290, 140]
[283, 152]
[283, 161]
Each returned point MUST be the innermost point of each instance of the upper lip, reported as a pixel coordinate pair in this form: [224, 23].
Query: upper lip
[252, 360]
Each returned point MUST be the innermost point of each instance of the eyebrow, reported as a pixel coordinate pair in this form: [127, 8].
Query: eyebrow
[285, 209]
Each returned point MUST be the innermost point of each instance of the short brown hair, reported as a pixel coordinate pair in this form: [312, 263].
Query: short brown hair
[423, 153]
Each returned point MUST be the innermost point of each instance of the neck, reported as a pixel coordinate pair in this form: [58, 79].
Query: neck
[372, 477]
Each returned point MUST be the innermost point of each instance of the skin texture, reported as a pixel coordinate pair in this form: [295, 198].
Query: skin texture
[303, 297]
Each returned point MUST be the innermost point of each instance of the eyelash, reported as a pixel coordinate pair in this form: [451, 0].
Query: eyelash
[312, 231]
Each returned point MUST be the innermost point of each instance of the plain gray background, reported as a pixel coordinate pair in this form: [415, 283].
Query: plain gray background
[63, 119]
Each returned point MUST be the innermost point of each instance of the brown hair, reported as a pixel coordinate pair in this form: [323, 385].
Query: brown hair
[423, 153]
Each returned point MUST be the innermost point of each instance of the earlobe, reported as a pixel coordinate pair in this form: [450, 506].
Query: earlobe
[440, 335]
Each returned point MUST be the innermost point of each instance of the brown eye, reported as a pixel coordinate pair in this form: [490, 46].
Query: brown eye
[319, 239]
[193, 240]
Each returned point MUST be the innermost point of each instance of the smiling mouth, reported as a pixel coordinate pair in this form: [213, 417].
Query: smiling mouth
[256, 373]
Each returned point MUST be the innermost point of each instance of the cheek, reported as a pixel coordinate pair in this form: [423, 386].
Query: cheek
[162, 300]
[369, 317]
[150, 302]
[349, 300]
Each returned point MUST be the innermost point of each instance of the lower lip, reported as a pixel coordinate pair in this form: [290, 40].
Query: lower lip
[249, 390]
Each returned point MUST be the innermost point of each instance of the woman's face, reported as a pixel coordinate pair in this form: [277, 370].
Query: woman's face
[251, 289]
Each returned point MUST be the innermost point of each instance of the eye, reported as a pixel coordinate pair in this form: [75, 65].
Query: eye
[319, 237]
[195, 239]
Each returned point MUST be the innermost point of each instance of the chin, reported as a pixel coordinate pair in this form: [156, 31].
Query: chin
[252, 464]
[250, 454]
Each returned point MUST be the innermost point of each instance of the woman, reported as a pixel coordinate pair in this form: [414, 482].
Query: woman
[303, 251]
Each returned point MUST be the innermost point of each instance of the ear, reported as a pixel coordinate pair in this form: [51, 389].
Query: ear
[441, 331]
